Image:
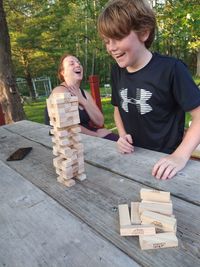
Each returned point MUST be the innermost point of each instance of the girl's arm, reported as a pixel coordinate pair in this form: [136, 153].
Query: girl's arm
[92, 110]
[87, 131]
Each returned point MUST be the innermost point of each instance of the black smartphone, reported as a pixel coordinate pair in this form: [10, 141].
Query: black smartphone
[19, 154]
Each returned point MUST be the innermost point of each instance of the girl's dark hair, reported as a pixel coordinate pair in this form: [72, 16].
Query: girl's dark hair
[60, 67]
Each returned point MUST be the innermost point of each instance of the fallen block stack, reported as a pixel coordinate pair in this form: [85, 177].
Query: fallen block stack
[151, 219]
[64, 117]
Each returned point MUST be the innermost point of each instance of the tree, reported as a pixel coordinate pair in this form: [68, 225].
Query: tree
[178, 30]
[9, 95]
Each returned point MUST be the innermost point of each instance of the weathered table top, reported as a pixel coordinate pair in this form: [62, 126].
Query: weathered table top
[43, 223]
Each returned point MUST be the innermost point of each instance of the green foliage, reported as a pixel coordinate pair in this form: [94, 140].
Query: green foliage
[179, 30]
[42, 30]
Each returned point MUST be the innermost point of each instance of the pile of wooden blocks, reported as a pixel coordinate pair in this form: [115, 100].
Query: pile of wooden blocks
[64, 117]
[151, 219]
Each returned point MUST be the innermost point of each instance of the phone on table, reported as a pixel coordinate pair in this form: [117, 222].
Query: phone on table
[19, 154]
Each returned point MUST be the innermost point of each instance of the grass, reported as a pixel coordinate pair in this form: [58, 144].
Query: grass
[35, 112]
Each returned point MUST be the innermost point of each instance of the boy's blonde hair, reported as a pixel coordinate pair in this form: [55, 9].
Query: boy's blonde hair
[120, 17]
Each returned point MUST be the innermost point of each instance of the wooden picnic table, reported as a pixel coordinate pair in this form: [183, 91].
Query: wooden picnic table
[43, 223]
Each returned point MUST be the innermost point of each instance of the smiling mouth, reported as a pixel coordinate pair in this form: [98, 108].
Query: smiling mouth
[78, 72]
[119, 55]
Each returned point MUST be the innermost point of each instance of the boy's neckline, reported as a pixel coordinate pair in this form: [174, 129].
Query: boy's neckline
[143, 66]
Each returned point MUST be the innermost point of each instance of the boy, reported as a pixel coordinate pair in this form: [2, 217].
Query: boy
[150, 92]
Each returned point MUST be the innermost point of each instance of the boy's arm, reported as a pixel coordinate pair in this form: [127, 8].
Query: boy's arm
[125, 141]
[168, 166]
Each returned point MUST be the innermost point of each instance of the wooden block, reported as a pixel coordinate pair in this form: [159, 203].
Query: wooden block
[57, 162]
[75, 129]
[74, 99]
[63, 124]
[78, 146]
[61, 133]
[74, 108]
[135, 230]
[68, 107]
[66, 163]
[162, 240]
[162, 222]
[59, 112]
[55, 151]
[58, 171]
[76, 120]
[81, 177]
[60, 96]
[68, 152]
[154, 195]
[57, 101]
[124, 216]
[160, 207]
[63, 117]
[135, 216]
[80, 154]
[66, 175]
[62, 142]
[68, 170]
[75, 168]
[52, 131]
[76, 138]
[67, 183]
[81, 170]
[52, 123]
[80, 161]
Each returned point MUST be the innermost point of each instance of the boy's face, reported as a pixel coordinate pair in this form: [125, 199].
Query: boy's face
[128, 51]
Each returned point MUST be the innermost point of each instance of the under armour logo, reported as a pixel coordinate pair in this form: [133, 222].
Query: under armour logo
[142, 96]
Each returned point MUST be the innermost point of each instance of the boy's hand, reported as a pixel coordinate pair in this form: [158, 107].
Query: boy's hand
[167, 167]
[124, 144]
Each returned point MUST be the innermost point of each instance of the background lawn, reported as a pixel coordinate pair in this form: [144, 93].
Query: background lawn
[35, 112]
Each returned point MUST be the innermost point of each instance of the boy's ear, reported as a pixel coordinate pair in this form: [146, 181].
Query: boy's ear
[144, 35]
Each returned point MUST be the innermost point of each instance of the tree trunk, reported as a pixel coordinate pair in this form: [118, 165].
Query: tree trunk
[28, 77]
[30, 85]
[198, 63]
[9, 95]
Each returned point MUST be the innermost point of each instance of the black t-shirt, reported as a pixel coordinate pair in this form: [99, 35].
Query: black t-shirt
[152, 102]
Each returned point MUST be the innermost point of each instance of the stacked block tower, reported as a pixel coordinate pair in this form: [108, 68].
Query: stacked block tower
[64, 117]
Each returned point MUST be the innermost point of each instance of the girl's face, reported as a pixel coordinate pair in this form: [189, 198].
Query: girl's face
[72, 69]
[128, 52]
